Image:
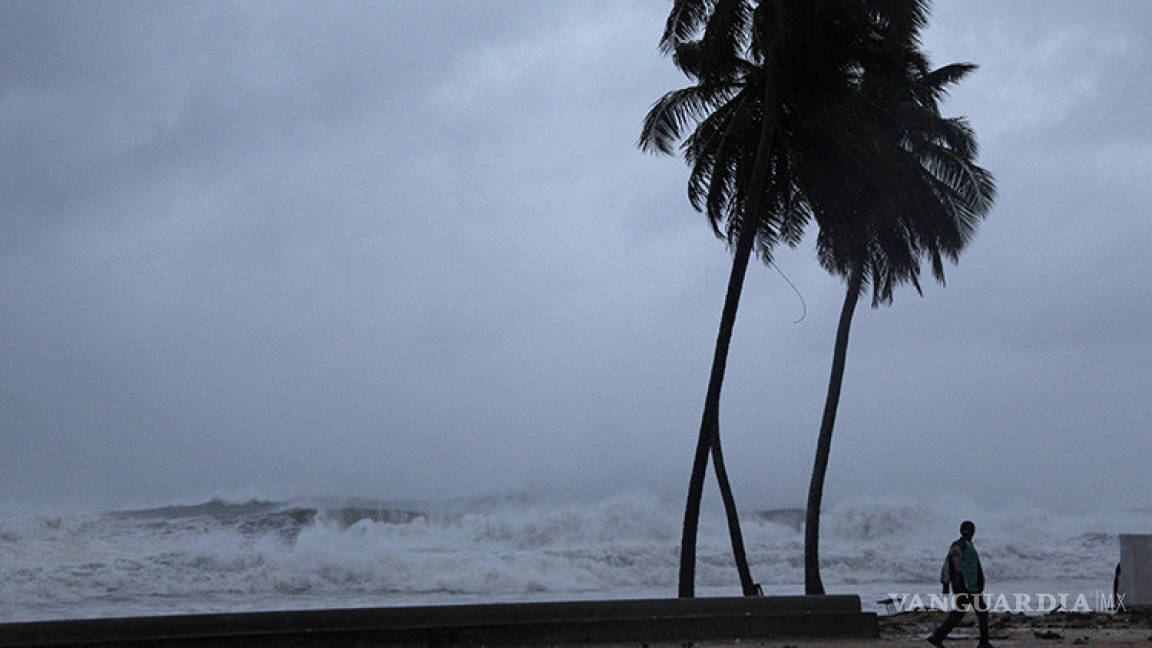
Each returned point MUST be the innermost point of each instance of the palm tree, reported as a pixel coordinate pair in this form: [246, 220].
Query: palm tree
[718, 149]
[911, 191]
[776, 75]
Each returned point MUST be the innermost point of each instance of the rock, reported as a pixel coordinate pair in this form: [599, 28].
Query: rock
[1047, 634]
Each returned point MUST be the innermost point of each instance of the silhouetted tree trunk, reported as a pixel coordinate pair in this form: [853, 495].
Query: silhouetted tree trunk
[812, 582]
[709, 439]
[747, 585]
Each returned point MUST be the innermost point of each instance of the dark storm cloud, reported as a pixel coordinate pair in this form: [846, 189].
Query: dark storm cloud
[409, 249]
[103, 99]
[279, 246]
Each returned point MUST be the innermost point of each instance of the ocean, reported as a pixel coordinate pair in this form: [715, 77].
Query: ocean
[220, 555]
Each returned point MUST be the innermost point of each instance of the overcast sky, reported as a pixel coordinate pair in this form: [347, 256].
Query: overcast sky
[409, 249]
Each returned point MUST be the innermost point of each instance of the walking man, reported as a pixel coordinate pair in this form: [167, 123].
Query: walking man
[967, 580]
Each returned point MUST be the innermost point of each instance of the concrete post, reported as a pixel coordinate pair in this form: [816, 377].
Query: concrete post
[1136, 570]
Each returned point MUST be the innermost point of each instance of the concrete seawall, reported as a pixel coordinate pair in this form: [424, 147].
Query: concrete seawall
[503, 623]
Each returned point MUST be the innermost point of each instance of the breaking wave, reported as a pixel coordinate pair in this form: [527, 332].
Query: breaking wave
[220, 555]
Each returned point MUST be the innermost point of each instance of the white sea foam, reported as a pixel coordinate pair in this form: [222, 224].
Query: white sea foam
[266, 555]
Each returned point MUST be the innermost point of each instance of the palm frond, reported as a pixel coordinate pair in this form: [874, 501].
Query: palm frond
[686, 56]
[665, 123]
[685, 19]
[725, 39]
[938, 80]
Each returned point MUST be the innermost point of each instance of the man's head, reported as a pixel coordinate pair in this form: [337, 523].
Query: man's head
[967, 529]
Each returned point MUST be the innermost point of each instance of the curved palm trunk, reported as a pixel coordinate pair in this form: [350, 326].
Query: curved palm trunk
[709, 439]
[812, 583]
[747, 585]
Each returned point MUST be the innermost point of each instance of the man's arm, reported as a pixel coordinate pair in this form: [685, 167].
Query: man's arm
[955, 573]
